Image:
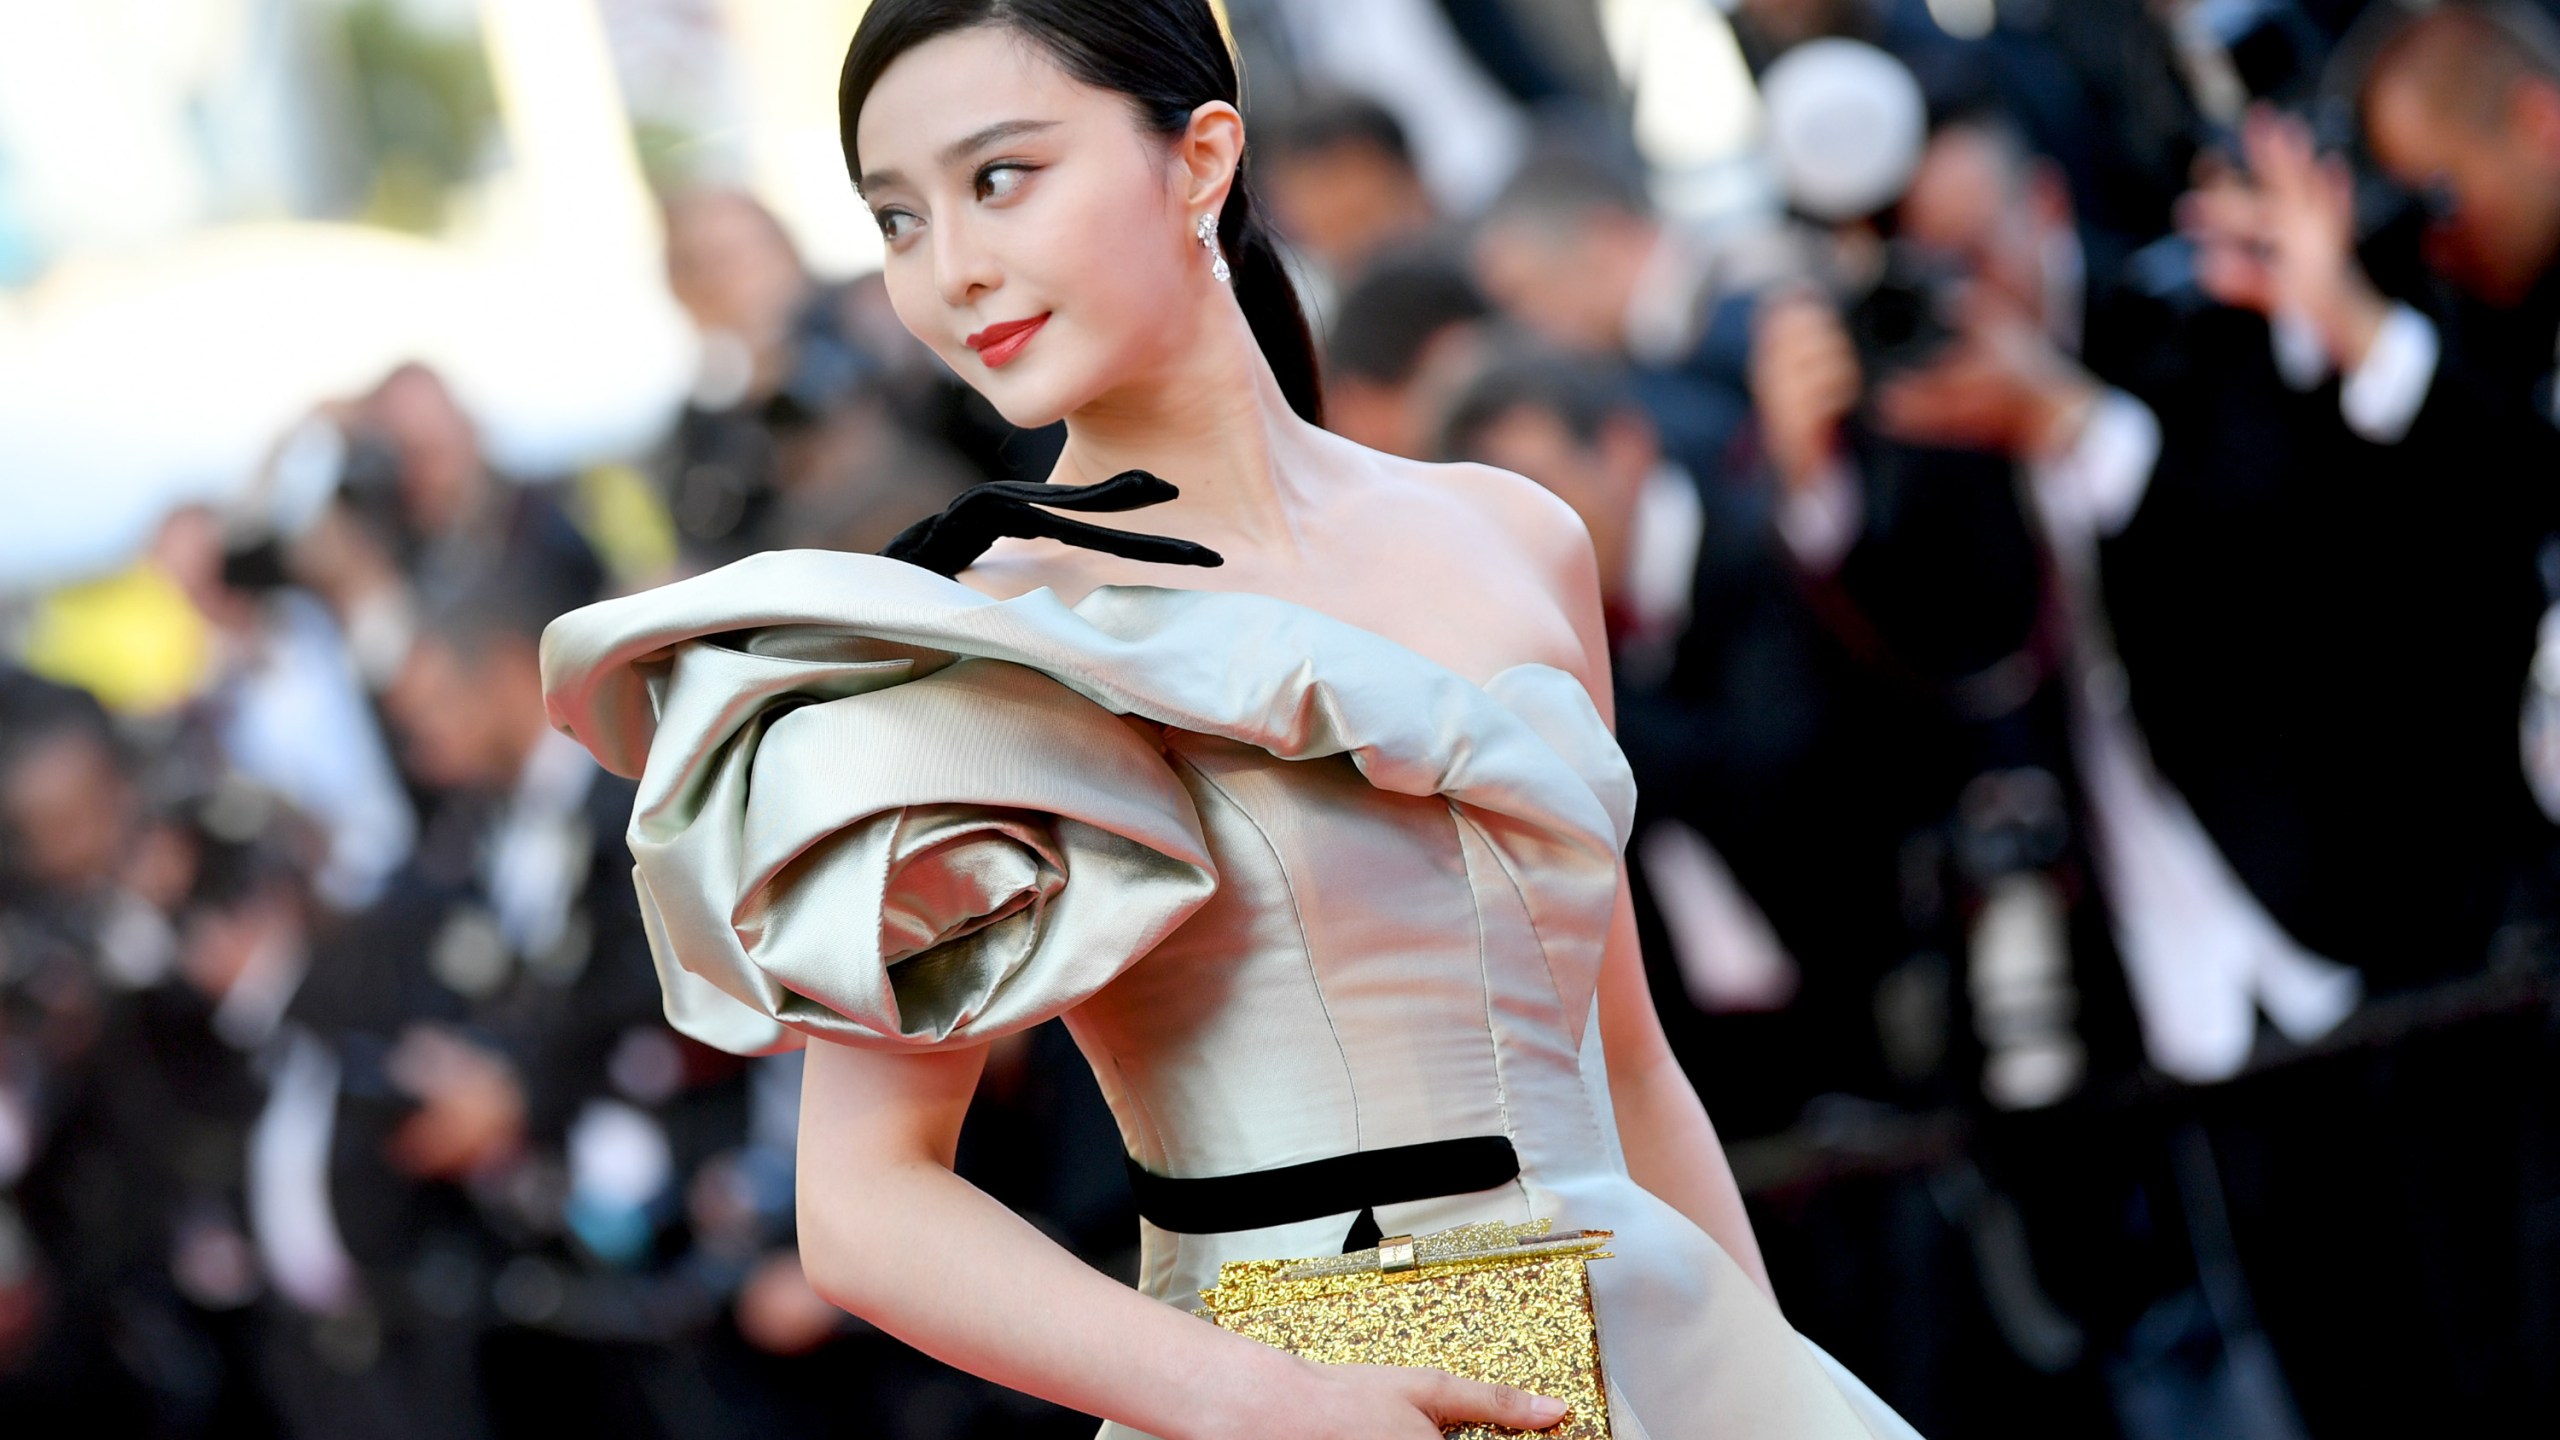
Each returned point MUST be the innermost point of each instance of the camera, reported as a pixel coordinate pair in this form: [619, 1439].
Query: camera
[1907, 317]
[369, 486]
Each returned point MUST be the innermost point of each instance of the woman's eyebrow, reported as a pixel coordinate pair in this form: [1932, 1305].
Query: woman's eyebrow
[962, 148]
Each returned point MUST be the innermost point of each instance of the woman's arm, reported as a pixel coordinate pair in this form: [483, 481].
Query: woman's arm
[1670, 1144]
[888, 1232]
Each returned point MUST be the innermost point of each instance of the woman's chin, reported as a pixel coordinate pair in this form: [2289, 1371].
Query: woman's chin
[1026, 406]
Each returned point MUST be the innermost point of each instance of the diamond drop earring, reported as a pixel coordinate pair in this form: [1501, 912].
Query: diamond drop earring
[1207, 230]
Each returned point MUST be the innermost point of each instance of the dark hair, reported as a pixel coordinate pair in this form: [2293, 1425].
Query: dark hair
[34, 713]
[1560, 187]
[1169, 58]
[511, 599]
[1328, 118]
[1582, 393]
[1391, 314]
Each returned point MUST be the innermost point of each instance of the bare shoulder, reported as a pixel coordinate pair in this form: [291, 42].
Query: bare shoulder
[1537, 525]
[1539, 528]
[1501, 520]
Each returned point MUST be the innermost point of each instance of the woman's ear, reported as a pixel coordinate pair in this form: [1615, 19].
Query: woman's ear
[1209, 150]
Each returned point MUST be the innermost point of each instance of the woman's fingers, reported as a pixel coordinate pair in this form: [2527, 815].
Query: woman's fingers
[1452, 1400]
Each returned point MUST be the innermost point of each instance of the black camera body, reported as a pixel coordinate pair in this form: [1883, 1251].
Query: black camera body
[1907, 317]
[369, 486]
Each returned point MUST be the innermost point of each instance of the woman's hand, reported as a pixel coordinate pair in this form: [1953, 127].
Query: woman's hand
[1391, 1402]
[889, 1233]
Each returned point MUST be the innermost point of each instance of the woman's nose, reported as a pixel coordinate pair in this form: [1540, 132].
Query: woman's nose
[963, 268]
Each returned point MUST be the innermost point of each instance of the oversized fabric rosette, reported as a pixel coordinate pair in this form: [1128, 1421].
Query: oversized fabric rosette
[875, 843]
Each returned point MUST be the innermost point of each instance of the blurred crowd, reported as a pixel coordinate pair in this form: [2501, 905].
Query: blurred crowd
[2079, 570]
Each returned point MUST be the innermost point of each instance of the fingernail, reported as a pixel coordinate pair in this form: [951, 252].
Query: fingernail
[1548, 1409]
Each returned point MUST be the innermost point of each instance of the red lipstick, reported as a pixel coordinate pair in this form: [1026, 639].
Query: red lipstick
[1001, 342]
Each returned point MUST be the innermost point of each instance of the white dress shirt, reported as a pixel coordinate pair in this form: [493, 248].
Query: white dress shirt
[2201, 955]
[2380, 398]
[297, 721]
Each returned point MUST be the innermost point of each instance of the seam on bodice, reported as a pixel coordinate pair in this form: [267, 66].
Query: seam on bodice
[1528, 915]
[1298, 914]
[1120, 1085]
[1484, 984]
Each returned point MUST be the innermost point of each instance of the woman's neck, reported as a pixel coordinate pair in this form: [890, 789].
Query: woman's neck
[1212, 419]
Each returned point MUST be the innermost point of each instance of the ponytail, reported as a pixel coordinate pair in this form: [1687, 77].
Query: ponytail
[1169, 57]
[1270, 301]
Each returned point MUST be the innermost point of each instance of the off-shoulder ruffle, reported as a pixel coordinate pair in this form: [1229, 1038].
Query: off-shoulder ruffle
[879, 807]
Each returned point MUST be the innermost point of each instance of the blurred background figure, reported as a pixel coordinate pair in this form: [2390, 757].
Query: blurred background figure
[816, 420]
[2072, 487]
[1343, 187]
[2451, 105]
[1572, 248]
[1402, 335]
[417, 477]
[505, 1185]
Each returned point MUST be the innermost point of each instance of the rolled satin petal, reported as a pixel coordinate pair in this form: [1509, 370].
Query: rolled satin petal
[840, 851]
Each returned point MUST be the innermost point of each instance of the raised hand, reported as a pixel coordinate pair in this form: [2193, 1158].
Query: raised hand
[2280, 238]
[1804, 382]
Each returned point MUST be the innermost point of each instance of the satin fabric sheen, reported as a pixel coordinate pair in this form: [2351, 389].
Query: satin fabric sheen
[1296, 890]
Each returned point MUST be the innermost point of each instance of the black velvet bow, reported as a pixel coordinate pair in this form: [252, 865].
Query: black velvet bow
[952, 541]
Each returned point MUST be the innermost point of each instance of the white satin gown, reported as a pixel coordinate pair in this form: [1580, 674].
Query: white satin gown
[1297, 891]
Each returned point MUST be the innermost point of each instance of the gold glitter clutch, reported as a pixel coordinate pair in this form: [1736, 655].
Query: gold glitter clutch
[1508, 1303]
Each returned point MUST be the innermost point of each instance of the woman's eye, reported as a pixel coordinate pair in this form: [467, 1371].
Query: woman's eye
[892, 220]
[997, 181]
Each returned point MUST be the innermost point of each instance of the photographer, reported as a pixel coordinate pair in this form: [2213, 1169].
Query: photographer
[498, 1135]
[2428, 426]
[388, 505]
[1897, 489]
[417, 474]
[815, 420]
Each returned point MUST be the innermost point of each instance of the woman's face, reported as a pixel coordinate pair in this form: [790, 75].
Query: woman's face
[1035, 232]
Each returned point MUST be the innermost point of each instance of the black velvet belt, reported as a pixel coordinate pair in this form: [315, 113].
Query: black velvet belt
[1362, 1181]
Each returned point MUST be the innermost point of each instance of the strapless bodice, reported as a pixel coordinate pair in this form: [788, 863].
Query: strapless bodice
[1297, 891]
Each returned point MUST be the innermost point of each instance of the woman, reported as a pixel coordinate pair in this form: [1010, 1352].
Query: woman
[1314, 847]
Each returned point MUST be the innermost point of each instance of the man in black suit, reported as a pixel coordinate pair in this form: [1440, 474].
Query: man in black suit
[2422, 499]
[514, 1128]
[2391, 524]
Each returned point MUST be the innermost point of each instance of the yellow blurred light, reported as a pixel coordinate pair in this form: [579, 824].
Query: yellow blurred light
[132, 639]
[622, 515]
